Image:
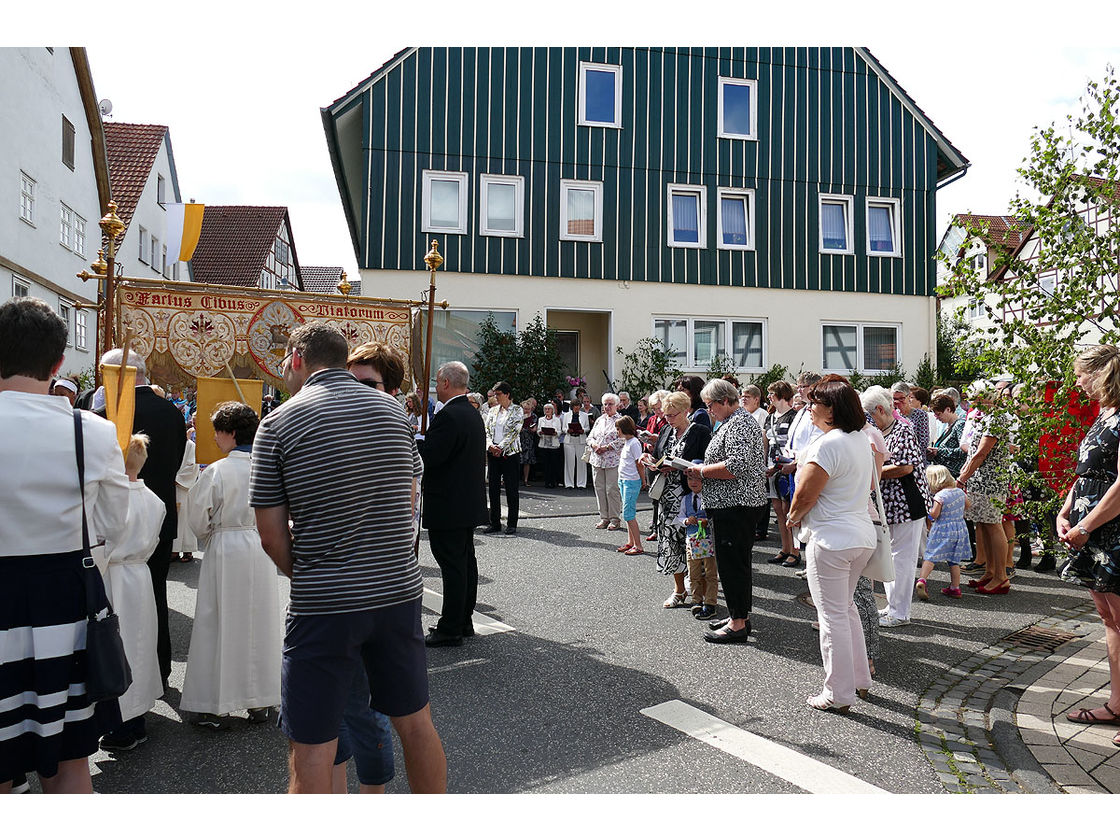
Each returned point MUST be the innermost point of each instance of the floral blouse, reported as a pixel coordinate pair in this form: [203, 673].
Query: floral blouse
[738, 444]
[903, 448]
[604, 433]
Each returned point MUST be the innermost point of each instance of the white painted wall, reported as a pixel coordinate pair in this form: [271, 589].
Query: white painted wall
[793, 318]
[152, 216]
[37, 88]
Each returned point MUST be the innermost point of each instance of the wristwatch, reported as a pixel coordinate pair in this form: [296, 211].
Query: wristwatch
[1082, 530]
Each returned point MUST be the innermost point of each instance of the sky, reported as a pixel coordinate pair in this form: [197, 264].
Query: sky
[240, 84]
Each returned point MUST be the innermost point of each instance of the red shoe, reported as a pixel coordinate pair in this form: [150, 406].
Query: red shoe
[626, 547]
[1002, 589]
[976, 583]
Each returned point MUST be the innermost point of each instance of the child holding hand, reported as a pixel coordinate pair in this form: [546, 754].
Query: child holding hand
[948, 536]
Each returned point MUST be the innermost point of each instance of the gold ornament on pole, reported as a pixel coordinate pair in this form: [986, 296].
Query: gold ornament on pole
[344, 285]
[105, 270]
[433, 260]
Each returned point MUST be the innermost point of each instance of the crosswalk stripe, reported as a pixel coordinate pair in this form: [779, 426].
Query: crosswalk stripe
[807, 773]
[484, 625]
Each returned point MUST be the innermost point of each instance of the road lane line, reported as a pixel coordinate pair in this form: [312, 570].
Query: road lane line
[484, 625]
[454, 666]
[807, 773]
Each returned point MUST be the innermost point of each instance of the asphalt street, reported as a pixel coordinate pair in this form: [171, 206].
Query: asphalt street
[555, 705]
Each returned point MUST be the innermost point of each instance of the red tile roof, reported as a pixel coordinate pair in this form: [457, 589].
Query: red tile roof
[235, 243]
[132, 150]
[1002, 230]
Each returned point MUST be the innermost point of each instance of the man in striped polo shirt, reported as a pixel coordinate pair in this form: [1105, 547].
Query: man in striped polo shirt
[340, 461]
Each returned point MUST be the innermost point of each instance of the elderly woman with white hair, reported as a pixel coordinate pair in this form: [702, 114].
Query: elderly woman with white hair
[984, 478]
[905, 498]
[605, 443]
[734, 482]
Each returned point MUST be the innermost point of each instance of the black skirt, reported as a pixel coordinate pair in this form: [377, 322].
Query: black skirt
[45, 716]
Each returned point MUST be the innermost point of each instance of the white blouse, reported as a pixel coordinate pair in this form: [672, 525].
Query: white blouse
[40, 505]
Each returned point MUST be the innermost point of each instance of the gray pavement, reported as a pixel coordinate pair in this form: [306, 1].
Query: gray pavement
[556, 705]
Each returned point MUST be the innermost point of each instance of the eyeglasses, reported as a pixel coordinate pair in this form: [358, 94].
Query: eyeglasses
[287, 356]
[373, 383]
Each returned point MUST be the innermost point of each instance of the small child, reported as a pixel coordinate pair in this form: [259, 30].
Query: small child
[237, 637]
[702, 571]
[128, 583]
[948, 536]
[630, 478]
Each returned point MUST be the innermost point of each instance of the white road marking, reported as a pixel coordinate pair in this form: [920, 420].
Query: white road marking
[466, 663]
[484, 625]
[807, 773]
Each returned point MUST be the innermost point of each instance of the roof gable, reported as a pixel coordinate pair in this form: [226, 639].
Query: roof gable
[132, 151]
[235, 243]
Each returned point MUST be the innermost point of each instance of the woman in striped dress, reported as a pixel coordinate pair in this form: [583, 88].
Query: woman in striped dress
[47, 723]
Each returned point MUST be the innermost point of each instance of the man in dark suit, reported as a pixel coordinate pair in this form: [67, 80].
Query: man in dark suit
[454, 453]
[166, 429]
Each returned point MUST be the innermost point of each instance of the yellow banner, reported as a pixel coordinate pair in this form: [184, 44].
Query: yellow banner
[192, 230]
[190, 330]
[213, 391]
[120, 400]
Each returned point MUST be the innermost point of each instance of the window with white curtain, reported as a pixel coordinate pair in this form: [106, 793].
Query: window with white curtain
[836, 224]
[738, 109]
[443, 202]
[694, 343]
[581, 210]
[503, 202]
[735, 222]
[687, 217]
[882, 227]
[866, 348]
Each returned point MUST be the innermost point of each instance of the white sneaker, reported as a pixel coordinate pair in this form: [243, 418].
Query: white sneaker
[884, 611]
[891, 621]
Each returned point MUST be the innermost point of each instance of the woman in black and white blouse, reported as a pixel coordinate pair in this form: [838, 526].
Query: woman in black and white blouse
[734, 476]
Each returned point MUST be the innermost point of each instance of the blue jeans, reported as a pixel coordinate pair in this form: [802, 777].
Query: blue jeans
[366, 735]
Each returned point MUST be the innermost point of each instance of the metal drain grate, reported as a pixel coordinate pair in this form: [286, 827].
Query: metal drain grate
[1039, 638]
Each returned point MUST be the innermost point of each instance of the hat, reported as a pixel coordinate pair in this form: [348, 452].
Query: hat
[67, 384]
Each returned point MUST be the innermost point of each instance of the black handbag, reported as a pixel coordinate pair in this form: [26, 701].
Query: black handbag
[108, 675]
[915, 502]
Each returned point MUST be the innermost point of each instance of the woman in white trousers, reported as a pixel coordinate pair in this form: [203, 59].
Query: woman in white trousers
[575, 470]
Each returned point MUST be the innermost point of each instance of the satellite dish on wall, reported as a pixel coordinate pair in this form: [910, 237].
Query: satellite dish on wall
[106, 107]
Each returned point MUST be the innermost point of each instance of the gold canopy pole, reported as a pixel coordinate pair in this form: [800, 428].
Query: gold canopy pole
[433, 260]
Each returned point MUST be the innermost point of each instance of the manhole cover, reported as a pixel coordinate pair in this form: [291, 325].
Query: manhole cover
[1039, 638]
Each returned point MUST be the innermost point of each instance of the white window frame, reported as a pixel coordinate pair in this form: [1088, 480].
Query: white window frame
[81, 329]
[730, 192]
[65, 312]
[429, 175]
[849, 204]
[584, 66]
[166, 268]
[701, 192]
[974, 309]
[144, 246]
[158, 269]
[79, 235]
[27, 198]
[860, 326]
[753, 85]
[896, 224]
[596, 187]
[518, 183]
[18, 283]
[161, 190]
[690, 365]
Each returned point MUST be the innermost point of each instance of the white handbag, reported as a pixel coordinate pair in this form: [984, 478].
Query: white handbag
[881, 565]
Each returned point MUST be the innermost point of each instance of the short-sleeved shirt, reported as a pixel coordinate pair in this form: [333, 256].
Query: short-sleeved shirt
[628, 460]
[342, 457]
[839, 520]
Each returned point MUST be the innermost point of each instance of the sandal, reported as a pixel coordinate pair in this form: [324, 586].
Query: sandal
[677, 599]
[626, 547]
[1087, 716]
[825, 704]
[634, 551]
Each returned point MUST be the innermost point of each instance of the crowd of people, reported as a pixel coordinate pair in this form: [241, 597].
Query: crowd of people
[894, 484]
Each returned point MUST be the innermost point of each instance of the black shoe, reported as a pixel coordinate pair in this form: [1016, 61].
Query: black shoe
[704, 613]
[729, 637]
[1023, 563]
[1046, 564]
[492, 529]
[511, 529]
[779, 558]
[793, 562]
[695, 608]
[716, 625]
[123, 742]
[438, 639]
[974, 569]
[259, 715]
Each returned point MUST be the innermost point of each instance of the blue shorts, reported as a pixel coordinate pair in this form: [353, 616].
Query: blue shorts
[629, 488]
[366, 735]
[321, 653]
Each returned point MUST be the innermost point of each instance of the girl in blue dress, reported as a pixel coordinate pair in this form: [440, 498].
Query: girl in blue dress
[948, 536]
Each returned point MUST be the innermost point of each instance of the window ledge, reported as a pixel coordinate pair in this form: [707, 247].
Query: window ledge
[589, 124]
[890, 255]
[29, 224]
[452, 231]
[752, 137]
[840, 253]
[502, 234]
[694, 245]
[735, 247]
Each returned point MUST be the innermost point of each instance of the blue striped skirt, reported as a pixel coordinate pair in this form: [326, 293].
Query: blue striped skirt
[45, 717]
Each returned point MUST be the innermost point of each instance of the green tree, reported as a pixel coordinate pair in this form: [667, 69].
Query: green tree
[649, 367]
[774, 373]
[528, 361]
[1056, 293]
[925, 376]
[722, 365]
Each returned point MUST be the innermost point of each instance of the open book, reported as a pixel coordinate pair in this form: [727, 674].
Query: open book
[674, 463]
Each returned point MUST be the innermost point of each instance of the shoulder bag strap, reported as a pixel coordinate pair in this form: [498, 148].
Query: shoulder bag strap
[877, 491]
[88, 566]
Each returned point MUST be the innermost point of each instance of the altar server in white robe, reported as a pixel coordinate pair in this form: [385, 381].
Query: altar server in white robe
[185, 543]
[128, 583]
[236, 642]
